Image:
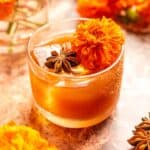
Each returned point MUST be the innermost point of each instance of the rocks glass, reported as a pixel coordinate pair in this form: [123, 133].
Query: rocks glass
[72, 101]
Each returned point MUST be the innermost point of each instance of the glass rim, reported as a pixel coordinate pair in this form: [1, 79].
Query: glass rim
[65, 76]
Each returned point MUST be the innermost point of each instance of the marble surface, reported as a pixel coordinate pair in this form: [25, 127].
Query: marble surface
[134, 103]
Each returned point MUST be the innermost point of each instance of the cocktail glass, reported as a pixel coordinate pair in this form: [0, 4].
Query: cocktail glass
[69, 100]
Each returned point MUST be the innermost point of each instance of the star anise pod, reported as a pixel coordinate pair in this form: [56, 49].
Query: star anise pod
[141, 137]
[63, 61]
[145, 124]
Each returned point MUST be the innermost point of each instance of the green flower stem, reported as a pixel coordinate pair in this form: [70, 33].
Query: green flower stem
[12, 27]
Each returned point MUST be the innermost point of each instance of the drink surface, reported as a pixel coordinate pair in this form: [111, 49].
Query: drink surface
[40, 55]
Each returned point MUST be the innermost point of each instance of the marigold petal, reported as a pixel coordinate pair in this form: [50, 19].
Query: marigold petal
[22, 137]
[6, 8]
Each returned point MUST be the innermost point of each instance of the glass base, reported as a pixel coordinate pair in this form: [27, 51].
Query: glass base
[71, 123]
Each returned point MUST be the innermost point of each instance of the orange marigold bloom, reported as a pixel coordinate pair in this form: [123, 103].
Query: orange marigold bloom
[6, 8]
[118, 5]
[93, 8]
[98, 43]
[144, 11]
[15, 137]
[127, 3]
[99, 8]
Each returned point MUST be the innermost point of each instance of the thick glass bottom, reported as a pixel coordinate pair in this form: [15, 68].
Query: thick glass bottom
[73, 123]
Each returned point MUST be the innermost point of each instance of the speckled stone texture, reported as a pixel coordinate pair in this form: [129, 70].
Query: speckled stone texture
[134, 103]
[72, 139]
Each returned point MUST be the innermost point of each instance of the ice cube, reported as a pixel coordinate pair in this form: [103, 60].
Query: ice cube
[41, 53]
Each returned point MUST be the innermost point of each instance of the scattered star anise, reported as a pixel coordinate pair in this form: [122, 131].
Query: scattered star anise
[141, 137]
[145, 124]
[63, 61]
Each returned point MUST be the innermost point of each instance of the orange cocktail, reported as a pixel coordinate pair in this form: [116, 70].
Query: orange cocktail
[69, 89]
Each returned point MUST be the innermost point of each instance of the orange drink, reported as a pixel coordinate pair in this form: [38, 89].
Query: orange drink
[69, 89]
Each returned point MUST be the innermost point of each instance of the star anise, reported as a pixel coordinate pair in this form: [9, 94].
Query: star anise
[141, 137]
[145, 124]
[63, 61]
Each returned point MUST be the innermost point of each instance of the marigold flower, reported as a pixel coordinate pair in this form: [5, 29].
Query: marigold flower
[144, 11]
[133, 14]
[98, 43]
[127, 3]
[119, 5]
[109, 8]
[6, 8]
[94, 8]
[15, 137]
